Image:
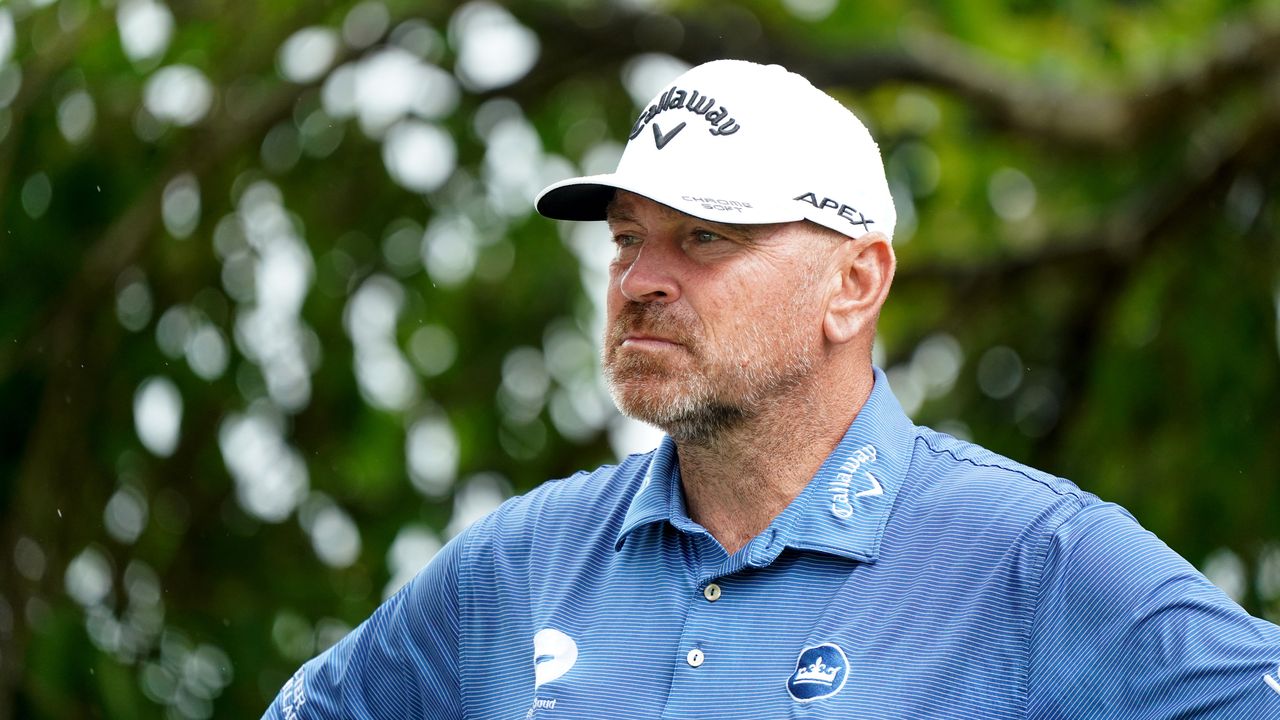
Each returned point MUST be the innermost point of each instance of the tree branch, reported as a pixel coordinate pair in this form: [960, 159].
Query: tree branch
[1134, 229]
[1246, 52]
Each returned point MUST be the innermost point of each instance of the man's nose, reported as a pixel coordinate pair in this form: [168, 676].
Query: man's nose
[650, 277]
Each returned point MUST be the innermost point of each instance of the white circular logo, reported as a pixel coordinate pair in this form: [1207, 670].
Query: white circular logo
[553, 654]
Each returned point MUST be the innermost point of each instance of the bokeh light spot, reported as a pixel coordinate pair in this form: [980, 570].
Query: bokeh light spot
[29, 559]
[207, 352]
[271, 477]
[157, 415]
[178, 94]
[999, 372]
[180, 205]
[477, 496]
[810, 10]
[433, 349]
[10, 83]
[644, 75]
[1225, 569]
[365, 24]
[419, 156]
[334, 535]
[88, 577]
[449, 249]
[431, 453]
[307, 54]
[133, 302]
[37, 193]
[385, 378]
[125, 515]
[7, 35]
[145, 28]
[494, 49]
[76, 116]
[412, 549]
[1012, 194]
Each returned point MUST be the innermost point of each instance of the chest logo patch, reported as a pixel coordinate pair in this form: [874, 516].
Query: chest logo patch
[820, 673]
[554, 653]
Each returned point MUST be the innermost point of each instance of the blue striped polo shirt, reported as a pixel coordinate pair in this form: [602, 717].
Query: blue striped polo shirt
[916, 576]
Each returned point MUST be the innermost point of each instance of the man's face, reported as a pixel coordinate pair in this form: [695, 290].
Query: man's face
[709, 323]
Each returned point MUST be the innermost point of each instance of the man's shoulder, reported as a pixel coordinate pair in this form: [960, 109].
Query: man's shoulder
[957, 461]
[959, 478]
[589, 500]
[605, 486]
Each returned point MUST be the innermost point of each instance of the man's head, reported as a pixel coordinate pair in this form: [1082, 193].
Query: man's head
[752, 222]
[736, 142]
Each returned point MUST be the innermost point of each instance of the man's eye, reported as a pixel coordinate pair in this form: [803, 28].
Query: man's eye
[623, 240]
[702, 237]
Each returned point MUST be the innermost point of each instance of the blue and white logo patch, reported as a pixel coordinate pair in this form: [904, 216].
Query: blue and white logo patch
[820, 673]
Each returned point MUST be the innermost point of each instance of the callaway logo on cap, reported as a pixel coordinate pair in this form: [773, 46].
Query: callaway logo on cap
[736, 142]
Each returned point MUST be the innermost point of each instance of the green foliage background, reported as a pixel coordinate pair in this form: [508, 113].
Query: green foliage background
[1089, 282]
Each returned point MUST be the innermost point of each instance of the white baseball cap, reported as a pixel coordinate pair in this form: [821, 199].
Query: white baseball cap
[735, 142]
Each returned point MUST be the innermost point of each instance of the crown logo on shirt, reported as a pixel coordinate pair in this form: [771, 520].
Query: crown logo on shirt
[818, 672]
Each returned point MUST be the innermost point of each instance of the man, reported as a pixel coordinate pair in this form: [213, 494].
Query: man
[795, 547]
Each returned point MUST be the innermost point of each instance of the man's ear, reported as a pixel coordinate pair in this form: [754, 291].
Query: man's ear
[865, 271]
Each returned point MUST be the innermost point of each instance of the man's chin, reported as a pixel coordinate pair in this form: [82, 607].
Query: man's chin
[645, 399]
[643, 374]
[688, 419]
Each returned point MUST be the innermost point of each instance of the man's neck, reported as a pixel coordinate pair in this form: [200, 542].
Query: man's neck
[735, 486]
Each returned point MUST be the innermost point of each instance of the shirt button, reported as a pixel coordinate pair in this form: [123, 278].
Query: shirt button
[711, 592]
[695, 657]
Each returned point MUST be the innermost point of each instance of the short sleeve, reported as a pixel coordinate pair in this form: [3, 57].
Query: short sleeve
[1127, 628]
[399, 663]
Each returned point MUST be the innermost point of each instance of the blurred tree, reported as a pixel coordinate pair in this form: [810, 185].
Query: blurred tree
[277, 321]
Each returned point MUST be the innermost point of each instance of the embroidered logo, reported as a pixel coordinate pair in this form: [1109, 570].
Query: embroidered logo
[820, 673]
[698, 104]
[661, 139]
[1273, 679]
[845, 478]
[294, 695]
[554, 653]
[540, 704]
[848, 212]
[712, 203]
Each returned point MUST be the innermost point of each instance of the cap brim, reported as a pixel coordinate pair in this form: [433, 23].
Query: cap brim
[582, 198]
[588, 197]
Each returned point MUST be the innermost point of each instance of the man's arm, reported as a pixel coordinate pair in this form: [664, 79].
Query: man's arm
[400, 663]
[1127, 628]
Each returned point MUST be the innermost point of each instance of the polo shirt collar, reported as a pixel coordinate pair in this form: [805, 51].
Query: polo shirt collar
[659, 497]
[842, 511]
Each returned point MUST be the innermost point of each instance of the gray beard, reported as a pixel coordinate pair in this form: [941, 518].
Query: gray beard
[703, 426]
[696, 410]
[690, 421]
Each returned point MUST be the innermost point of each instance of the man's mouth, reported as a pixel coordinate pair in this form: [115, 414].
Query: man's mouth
[647, 340]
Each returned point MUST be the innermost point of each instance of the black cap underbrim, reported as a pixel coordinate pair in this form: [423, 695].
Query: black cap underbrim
[584, 202]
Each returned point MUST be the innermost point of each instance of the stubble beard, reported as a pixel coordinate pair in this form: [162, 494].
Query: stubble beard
[715, 390]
